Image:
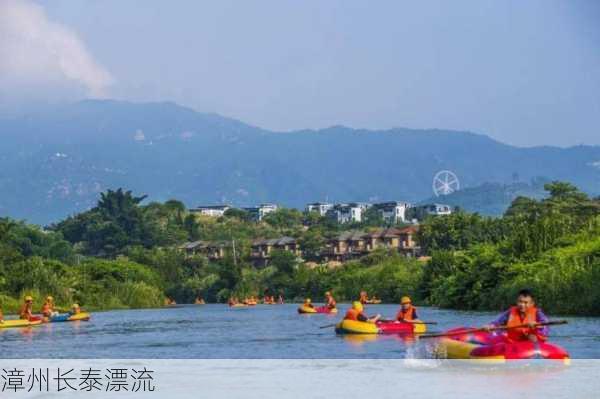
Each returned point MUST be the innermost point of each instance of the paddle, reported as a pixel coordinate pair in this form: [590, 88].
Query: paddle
[329, 325]
[412, 322]
[472, 330]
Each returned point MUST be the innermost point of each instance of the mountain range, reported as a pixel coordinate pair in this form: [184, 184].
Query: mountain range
[55, 161]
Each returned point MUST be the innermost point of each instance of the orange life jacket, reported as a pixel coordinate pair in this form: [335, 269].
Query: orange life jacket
[515, 319]
[407, 314]
[352, 314]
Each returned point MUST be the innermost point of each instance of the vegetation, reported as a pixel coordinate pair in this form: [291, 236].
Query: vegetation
[123, 253]
[551, 245]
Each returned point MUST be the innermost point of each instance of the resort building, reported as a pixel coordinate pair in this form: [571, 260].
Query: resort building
[211, 210]
[262, 249]
[345, 213]
[321, 207]
[213, 250]
[257, 213]
[392, 212]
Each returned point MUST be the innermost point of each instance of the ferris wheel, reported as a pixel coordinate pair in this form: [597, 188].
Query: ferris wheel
[445, 182]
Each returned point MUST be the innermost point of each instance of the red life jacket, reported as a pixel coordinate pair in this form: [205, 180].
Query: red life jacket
[407, 314]
[515, 319]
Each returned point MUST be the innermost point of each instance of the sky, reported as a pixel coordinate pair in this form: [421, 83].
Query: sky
[523, 72]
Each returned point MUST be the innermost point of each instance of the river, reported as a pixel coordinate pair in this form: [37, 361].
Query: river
[261, 332]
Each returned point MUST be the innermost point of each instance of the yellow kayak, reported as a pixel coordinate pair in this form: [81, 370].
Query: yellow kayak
[19, 323]
[321, 309]
[391, 327]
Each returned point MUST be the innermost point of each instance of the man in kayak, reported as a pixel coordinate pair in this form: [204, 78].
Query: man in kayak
[26, 311]
[75, 309]
[356, 313]
[48, 307]
[364, 298]
[524, 313]
[329, 301]
[407, 312]
[308, 303]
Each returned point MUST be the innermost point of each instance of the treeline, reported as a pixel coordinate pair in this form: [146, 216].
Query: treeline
[550, 245]
[123, 253]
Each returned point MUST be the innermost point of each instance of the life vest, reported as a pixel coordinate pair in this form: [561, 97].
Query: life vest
[515, 319]
[352, 314]
[407, 314]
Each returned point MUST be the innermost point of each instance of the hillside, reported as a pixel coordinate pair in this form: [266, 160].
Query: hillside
[492, 199]
[55, 161]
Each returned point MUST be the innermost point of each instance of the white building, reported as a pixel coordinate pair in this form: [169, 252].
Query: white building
[258, 212]
[211, 210]
[393, 212]
[345, 213]
[321, 207]
[436, 209]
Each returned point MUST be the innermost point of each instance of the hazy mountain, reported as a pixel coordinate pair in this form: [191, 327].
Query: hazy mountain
[55, 161]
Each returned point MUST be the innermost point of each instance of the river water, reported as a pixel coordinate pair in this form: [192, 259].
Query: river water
[261, 332]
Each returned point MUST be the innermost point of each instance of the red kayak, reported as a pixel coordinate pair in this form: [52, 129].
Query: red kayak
[487, 345]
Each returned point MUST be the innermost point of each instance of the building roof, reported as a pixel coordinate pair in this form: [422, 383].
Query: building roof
[275, 241]
[353, 235]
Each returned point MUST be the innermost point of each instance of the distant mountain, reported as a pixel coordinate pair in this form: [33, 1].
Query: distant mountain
[55, 161]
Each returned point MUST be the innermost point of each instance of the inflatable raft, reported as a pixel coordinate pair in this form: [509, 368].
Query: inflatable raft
[83, 316]
[20, 323]
[385, 327]
[321, 309]
[496, 347]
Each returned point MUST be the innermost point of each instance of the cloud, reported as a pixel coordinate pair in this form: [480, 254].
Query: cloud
[39, 57]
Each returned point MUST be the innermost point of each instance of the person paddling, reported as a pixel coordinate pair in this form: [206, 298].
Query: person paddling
[363, 298]
[357, 313]
[525, 312]
[407, 312]
[26, 311]
[48, 309]
[75, 309]
[308, 303]
[329, 301]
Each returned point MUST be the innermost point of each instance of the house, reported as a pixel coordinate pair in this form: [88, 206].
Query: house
[422, 211]
[257, 213]
[211, 210]
[354, 244]
[345, 213]
[347, 245]
[392, 212]
[320, 207]
[262, 249]
[213, 250]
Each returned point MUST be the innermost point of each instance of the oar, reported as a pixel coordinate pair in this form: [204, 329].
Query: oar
[329, 325]
[412, 322]
[472, 330]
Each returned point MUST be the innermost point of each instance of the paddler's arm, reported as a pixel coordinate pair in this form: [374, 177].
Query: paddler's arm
[542, 332]
[502, 320]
